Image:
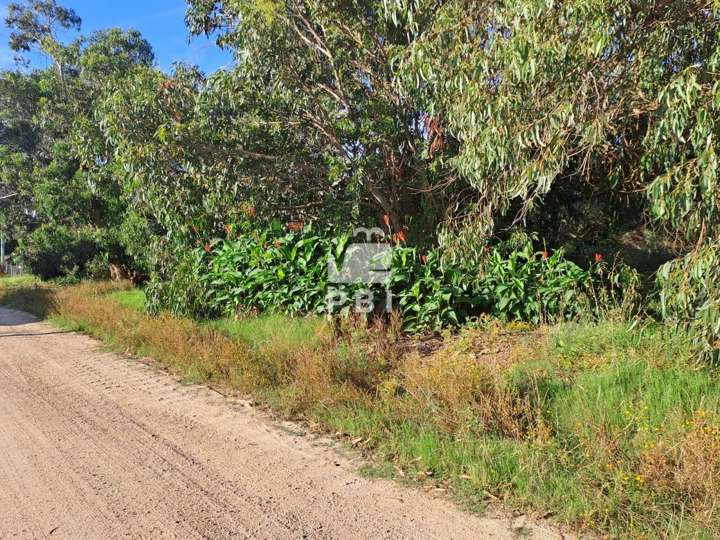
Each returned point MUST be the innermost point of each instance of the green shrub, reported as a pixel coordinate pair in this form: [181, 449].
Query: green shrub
[56, 251]
[287, 271]
[270, 270]
[69, 254]
[430, 293]
[181, 291]
[534, 287]
[689, 297]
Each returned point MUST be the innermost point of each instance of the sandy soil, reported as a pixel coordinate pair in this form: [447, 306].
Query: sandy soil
[95, 445]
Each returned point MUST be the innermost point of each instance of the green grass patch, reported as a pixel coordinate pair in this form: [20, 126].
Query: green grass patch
[293, 333]
[17, 281]
[132, 298]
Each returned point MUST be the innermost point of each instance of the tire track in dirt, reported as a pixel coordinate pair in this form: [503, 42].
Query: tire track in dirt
[95, 445]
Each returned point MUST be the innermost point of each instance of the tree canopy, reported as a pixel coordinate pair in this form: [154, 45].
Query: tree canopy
[585, 123]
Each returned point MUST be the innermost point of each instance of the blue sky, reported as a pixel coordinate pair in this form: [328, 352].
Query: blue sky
[160, 21]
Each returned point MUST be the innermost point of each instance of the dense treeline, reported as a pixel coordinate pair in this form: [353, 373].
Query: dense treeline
[590, 125]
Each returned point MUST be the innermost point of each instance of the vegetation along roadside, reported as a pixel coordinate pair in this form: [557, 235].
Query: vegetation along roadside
[607, 427]
[547, 175]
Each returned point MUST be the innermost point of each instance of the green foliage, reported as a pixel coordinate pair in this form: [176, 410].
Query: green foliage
[326, 75]
[431, 294]
[181, 290]
[587, 104]
[275, 270]
[534, 287]
[585, 91]
[52, 152]
[452, 122]
[271, 270]
[56, 251]
[689, 296]
[516, 284]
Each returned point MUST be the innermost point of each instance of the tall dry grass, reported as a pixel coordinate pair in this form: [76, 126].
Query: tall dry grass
[186, 348]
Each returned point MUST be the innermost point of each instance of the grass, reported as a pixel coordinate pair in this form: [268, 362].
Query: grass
[18, 281]
[612, 428]
[25, 294]
[257, 332]
[131, 298]
[260, 331]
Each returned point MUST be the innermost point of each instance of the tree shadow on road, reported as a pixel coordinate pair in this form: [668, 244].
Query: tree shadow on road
[38, 301]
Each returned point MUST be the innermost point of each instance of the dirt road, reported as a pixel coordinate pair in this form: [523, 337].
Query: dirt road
[94, 445]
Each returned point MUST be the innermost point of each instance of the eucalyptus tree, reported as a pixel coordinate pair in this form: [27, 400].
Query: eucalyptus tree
[20, 138]
[329, 64]
[35, 25]
[201, 152]
[66, 171]
[617, 101]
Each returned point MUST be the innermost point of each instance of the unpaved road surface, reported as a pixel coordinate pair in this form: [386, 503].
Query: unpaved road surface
[94, 445]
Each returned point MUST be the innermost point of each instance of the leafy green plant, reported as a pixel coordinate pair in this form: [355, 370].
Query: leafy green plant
[269, 270]
[534, 287]
[180, 291]
[689, 297]
[273, 269]
[431, 294]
